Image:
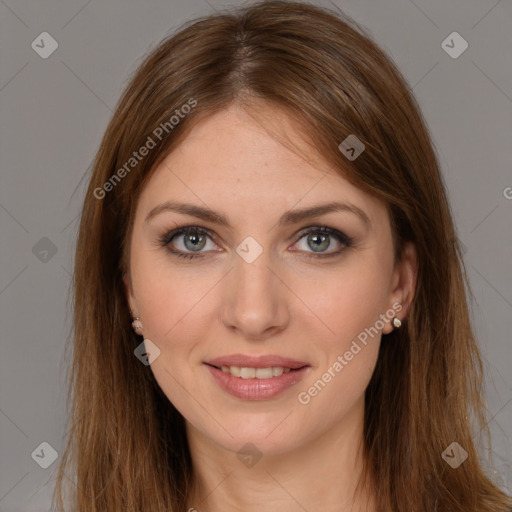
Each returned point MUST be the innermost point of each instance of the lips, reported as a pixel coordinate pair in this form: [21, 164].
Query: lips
[256, 377]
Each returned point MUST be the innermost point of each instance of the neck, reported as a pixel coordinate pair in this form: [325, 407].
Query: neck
[321, 474]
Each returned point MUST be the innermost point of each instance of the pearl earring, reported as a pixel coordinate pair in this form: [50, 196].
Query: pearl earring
[396, 322]
[137, 324]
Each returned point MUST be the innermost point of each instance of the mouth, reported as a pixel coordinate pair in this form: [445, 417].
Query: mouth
[248, 372]
[256, 378]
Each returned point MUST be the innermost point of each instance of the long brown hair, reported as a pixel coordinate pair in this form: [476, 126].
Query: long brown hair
[126, 448]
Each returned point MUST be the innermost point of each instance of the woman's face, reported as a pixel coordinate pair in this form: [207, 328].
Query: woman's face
[291, 305]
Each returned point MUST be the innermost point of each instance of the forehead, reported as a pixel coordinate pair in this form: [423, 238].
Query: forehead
[231, 161]
[237, 142]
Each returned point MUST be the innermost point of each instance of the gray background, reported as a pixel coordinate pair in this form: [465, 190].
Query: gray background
[55, 110]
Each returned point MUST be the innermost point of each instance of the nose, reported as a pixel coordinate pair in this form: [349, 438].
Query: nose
[254, 300]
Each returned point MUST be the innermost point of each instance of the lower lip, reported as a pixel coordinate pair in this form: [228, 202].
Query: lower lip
[256, 389]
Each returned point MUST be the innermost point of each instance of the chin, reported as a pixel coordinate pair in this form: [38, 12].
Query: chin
[267, 436]
[254, 443]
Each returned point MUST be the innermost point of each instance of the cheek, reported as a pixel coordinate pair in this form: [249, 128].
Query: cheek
[349, 306]
[347, 301]
[168, 295]
[347, 354]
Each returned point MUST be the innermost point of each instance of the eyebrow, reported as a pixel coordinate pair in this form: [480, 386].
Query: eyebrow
[288, 218]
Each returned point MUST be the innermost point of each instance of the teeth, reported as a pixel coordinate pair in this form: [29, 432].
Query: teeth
[247, 373]
[255, 373]
[234, 370]
[264, 373]
[276, 371]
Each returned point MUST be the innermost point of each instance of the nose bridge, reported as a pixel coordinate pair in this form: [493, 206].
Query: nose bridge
[254, 278]
[255, 299]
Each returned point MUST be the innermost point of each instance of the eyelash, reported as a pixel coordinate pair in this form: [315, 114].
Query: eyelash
[166, 239]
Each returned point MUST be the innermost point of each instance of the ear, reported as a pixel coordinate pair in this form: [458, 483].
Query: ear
[128, 288]
[403, 285]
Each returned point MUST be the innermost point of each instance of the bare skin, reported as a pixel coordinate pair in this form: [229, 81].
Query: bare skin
[283, 303]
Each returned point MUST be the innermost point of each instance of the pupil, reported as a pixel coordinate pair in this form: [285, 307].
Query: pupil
[319, 238]
[196, 241]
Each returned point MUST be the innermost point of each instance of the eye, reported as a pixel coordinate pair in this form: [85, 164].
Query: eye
[320, 238]
[188, 238]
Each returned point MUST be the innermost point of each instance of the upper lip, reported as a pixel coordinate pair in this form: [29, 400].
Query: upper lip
[264, 361]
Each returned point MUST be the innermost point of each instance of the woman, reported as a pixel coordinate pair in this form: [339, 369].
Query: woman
[269, 292]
